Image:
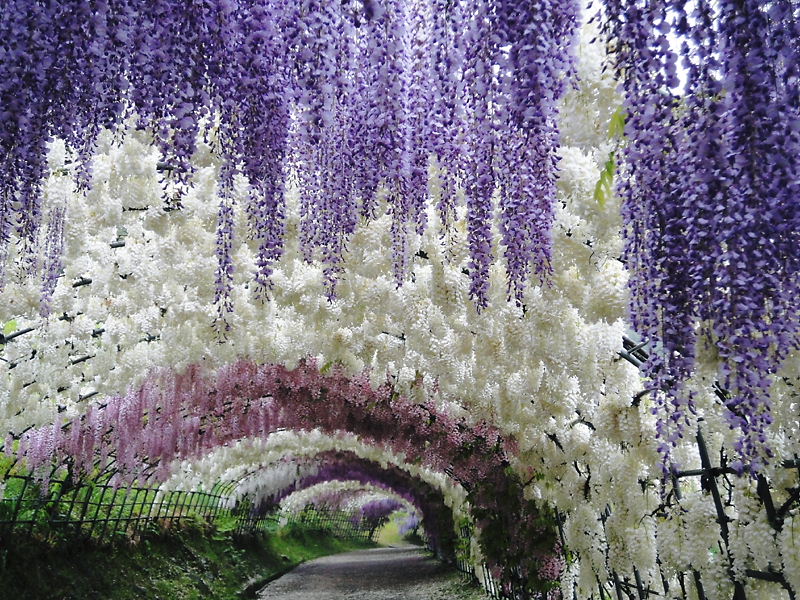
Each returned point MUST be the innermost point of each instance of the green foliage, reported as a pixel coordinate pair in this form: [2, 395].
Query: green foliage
[193, 562]
[616, 126]
[389, 533]
[224, 524]
[605, 185]
[6, 463]
[10, 327]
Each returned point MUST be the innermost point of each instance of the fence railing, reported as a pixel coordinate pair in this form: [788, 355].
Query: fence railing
[338, 523]
[100, 511]
[491, 586]
[104, 512]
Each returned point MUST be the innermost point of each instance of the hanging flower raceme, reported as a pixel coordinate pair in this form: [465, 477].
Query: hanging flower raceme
[375, 513]
[254, 124]
[710, 186]
[535, 59]
[331, 495]
[342, 496]
[347, 98]
[517, 59]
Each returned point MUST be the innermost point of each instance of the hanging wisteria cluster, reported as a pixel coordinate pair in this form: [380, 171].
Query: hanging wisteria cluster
[377, 511]
[347, 98]
[343, 496]
[710, 187]
[330, 495]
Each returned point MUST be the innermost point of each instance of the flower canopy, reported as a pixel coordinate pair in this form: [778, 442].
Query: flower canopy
[356, 101]
[351, 98]
[394, 246]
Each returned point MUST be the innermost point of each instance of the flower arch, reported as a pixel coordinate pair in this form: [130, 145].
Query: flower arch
[176, 416]
[437, 520]
[260, 467]
[368, 505]
[267, 470]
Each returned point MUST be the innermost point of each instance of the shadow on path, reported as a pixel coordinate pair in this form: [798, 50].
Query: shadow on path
[404, 573]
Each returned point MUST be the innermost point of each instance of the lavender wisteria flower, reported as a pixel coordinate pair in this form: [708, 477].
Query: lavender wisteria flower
[352, 100]
[53, 257]
[710, 183]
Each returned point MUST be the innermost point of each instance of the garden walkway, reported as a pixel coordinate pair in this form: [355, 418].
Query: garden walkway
[405, 573]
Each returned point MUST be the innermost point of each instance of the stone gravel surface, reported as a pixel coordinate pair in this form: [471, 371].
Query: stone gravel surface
[404, 573]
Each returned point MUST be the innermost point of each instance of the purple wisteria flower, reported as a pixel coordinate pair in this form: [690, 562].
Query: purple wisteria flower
[349, 97]
[711, 177]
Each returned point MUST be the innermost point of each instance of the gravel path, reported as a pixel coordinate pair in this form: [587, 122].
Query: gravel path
[404, 573]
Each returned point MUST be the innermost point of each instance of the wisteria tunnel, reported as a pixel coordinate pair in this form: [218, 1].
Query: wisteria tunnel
[516, 278]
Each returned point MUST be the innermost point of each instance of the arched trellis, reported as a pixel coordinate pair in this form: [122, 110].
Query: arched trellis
[235, 465]
[345, 466]
[364, 506]
[309, 466]
[340, 495]
[183, 415]
[300, 456]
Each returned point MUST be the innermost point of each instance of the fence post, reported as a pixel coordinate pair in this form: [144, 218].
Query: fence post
[18, 503]
[145, 519]
[108, 516]
[86, 500]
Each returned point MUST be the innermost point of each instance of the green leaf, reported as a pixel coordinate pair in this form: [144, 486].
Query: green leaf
[599, 194]
[616, 127]
[605, 185]
[611, 165]
[10, 327]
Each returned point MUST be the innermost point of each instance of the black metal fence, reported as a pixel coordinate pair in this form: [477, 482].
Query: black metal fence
[492, 586]
[481, 574]
[101, 512]
[338, 523]
[104, 512]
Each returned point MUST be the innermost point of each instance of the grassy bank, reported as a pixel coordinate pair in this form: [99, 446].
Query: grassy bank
[196, 562]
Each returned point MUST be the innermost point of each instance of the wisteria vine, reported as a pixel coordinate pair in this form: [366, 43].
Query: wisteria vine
[335, 95]
[711, 177]
[179, 416]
